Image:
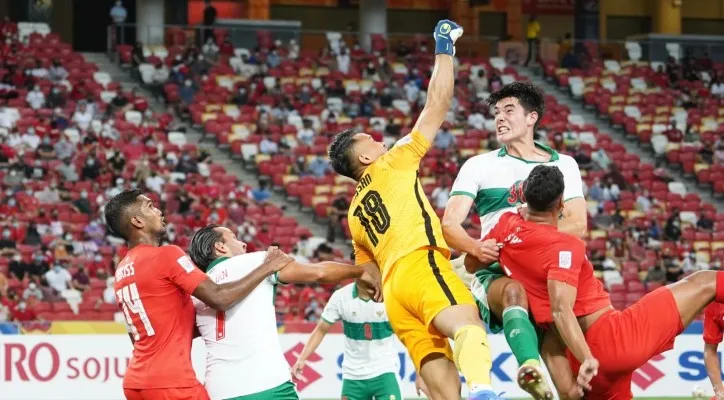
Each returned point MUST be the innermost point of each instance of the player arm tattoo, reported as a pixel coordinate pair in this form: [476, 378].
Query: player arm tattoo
[439, 98]
[562, 297]
[713, 368]
[323, 272]
[575, 217]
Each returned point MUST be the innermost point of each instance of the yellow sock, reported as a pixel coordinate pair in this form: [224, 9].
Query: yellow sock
[472, 355]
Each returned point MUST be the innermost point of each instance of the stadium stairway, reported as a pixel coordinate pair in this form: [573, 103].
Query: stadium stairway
[563, 97]
[194, 136]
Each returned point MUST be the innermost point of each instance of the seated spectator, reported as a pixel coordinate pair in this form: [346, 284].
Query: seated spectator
[644, 201]
[570, 60]
[210, 49]
[444, 139]
[267, 146]
[39, 71]
[56, 98]
[33, 291]
[35, 98]
[23, 314]
[583, 160]
[706, 153]
[46, 150]
[109, 293]
[241, 98]
[595, 191]
[306, 134]
[717, 86]
[337, 213]
[672, 229]
[187, 92]
[17, 269]
[261, 194]
[441, 194]
[600, 157]
[81, 280]
[705, 223]
[319, 166]
[657, 273]
[479, 82]
[60, 281]
[137, 57]
[57, 72]
[83, 115]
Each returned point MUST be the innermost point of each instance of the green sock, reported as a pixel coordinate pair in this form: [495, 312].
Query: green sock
[520, 334]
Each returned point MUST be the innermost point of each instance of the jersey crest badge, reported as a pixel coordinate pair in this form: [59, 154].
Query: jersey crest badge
[186, 264]
[564, 259]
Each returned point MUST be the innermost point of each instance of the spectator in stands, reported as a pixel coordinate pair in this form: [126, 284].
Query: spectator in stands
[479, 82]
[109, 294]
[343, 61]
[262, 193]
[23, 314]
[45, 150]
[337, 213]
[246, 231]
[644, 201]
[187, 165]
[532, 33]
[32, 237]
[584, 160]
[241, 98]
[81, 280]
[570, 60]
[82, 204]
[17, 267]
[39, 72]
[83, 115]
[68, 171]
[209, 19]
[91, 169]
[33, 291]
[137, 57]
[445, 139]
[95, 232]
[706, 153]
[717, 86]
[60, 280]
[268, 146]
[306, 134]
[719, 153]
[187, 92]
[210, 49]
[118, 15]
[672, 229]
[705, 223]
[657, 273]
[57, 72]
[319, 167]
[35, 98]
[611, 191]
[441, 194]
[600, 157]
[5, 313]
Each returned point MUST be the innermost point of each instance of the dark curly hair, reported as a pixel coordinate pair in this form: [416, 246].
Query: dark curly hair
[116, 210]
[544, 188]
[530, 97]
[340, 154]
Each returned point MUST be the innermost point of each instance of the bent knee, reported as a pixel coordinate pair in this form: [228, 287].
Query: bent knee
[514, 295]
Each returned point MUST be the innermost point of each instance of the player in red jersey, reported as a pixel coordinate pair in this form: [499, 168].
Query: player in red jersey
[153, 288]
[604, 345]
[713, 331]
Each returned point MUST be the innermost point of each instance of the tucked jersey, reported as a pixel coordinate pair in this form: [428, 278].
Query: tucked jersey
[494, 181]
[243, 341]
[390, 215]
[713, 323]
[534, 253]
[369, 348]
[153, 289]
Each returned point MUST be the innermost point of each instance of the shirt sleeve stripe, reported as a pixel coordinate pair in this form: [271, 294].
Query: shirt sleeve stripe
[327, 321]
[463, 193]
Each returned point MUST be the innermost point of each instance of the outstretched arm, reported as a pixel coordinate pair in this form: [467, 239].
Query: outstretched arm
[323, 272]
[442, 82]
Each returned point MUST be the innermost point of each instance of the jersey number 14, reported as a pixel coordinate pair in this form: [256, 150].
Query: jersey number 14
[373, 216]
[131, 303]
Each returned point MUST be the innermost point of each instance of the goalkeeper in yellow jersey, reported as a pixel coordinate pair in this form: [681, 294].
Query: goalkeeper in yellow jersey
[394, 227]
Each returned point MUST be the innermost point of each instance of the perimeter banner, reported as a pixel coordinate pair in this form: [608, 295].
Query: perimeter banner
[91, 367]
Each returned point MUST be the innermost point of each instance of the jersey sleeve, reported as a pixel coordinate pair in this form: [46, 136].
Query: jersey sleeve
[712, 331]
[361, 254]
[563, 260]
[333, 310]
[180, 269]
[572, 179]
[407, 152]
[499, 230]
[467, 182]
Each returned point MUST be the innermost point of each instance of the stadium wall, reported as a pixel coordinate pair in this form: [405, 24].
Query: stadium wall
[64, 367]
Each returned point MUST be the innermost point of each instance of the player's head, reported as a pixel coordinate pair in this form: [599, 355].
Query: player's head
[544, 190]
[351, 152]
[131, 213]
[518, 109]
[212, 242]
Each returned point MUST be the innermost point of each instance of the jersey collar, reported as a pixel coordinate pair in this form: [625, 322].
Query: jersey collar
[215, 263]
[355, 294]
[554, 154]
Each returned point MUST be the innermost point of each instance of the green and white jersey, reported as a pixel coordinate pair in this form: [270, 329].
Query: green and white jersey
[369, 347]
[494, 181]
[242, 342]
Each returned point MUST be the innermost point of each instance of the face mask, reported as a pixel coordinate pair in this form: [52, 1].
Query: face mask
[68, 238]
[11, 203]
[84, 195]
[21, 306]
[32, 286]
[98, 258]
[57, 268]
[6, 235]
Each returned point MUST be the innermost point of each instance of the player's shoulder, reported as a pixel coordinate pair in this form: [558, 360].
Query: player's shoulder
[344, 293]
[483, 158]
[566, 163]
[563, 238]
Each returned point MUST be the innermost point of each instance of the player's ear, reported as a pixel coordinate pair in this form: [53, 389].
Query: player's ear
[220, 247]
[137, 223]
[364, 159]
[532, 118]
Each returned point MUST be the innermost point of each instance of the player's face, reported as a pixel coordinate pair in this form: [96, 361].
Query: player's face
[150, 216]
[511, 121]
[234, 245]
[367, 149]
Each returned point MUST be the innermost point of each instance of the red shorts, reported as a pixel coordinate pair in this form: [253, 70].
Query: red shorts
[188, 393]
[623, 341]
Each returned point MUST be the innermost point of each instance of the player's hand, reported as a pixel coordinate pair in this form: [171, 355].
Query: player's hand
[277, 259]
[372, 286]
[421, 387]
[445, 34]
[297, 369]
[523, 210]
[487, 251]
[588, 370]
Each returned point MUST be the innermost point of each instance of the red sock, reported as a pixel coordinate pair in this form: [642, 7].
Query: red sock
[719, 293]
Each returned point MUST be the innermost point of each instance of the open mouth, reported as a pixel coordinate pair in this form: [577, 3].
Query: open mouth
[503, 130]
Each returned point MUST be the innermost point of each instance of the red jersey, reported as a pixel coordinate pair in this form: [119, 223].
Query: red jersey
[535, 253]
[153, 289]
[713, 323]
